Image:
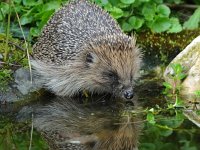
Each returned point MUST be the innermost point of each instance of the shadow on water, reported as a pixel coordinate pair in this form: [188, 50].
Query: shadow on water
[100, 124]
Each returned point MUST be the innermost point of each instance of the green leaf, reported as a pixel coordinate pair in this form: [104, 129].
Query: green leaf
[25, 19]
[160, 25]
[108, 7]
[46, 17]
[53, 5]
[114, 2]
[126, 14]
[177, 68]
[163, 10]
[147, 146]
[31, 2]
[148, 12]
[178, 1]
[197, 93]
[127, 27]
[35, 32]
[172, 122]
[193, 21]
[167, 85]
[116, 12]
[4, 8]
[17, 1]
[179, 102]
[165, 132]
[135, 22]
[127, 1]
[158, 1]
[181, 76]
[175, 27]
[122, 5]
[150, 118]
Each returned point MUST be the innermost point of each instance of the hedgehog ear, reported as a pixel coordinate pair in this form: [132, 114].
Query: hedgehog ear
[91, 57]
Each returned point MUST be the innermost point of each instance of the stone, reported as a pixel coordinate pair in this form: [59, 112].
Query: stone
[189, 58]
[23, 81]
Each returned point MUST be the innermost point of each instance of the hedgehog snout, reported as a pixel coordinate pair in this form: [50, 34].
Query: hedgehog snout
[128, 93]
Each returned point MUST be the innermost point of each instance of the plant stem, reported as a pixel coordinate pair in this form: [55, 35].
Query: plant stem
[7, 34]
[26, 44]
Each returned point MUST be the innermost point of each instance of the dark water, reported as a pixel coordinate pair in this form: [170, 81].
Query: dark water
[99, 123]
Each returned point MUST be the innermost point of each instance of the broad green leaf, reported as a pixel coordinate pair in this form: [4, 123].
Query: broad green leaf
[31, 2]
[116, 12]
[165, 132]
[127, 1]
[181, 76]
[178, 1]
[127, 27]
[172, 122]
[150, 118]
[25, 19]
[4, 8]
[163, 10]
[167, 85]
[197, 93]
[102, 2]
[114, 2]
[108, 7]
[193, 21]
[137, 3]
[35, 32]
[179, 102]
[160, 25]
[45, 17]
[178, 68]
[158, 1]
[53, 5]
[147, 146]
[17, 1]
[126, 14]
[148, 12]
[122, 5]
[135, 22]
[175, 27]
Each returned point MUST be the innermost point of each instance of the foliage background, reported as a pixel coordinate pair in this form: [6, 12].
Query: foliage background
[132, 15]
[157, 16]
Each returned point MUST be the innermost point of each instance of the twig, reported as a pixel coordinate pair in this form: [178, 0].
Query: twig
[29, 63]
[7, 33]
[17, 46]
[31, 139]
[1, 62]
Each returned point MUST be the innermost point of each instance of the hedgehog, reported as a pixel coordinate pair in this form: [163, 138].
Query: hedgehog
[82, 48]
[66, 125]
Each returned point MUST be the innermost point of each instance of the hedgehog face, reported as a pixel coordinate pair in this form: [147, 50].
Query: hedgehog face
[113, 70]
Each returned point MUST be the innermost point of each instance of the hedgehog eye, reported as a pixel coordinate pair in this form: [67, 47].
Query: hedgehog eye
[89, 58]
[111, 75]
[131, 79]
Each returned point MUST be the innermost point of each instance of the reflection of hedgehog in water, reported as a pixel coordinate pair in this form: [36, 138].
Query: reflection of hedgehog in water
[67, 125]
[83, 48]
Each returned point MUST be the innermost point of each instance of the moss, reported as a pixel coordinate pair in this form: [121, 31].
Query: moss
[168, 44]
[16, 59]
[167, 41]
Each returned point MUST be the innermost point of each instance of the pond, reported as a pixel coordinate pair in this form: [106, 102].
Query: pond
[100, 122]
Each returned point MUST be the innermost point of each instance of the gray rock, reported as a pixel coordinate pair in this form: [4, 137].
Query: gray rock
[23, 81]
[189, 58]
[21, 87]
